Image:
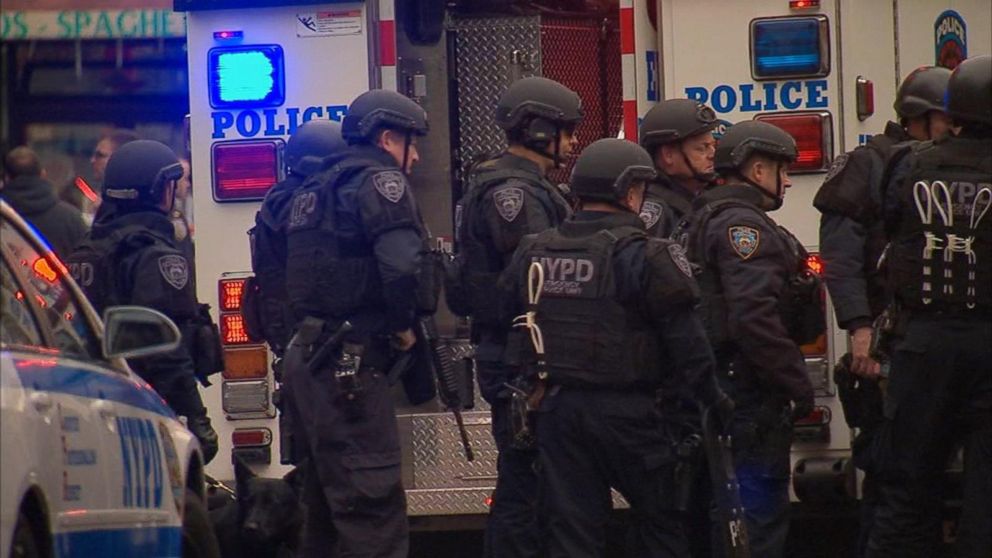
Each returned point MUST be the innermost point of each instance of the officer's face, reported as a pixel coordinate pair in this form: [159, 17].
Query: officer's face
[567, 143]
[693, 156]
[394, 143]
[940, 123]
[771, 176]
[635, 197]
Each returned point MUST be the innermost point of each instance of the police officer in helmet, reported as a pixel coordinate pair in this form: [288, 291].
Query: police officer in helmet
[266, 306]
[852, 240]
[940, 276]
[508, 197]
[750, 267]
[129, 257]
[678, 133]
[355, 247]
[615, 311]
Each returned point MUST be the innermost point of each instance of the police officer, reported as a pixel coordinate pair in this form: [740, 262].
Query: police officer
[306, 150]
[355, 246]
[130, 257]
[940, 273]
[615, 311]
[852, 240]
[266, 306]
[678, 135]
[749, 267]
[509, 197]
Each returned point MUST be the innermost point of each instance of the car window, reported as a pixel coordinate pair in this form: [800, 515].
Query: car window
[71, 333]
[17, 323]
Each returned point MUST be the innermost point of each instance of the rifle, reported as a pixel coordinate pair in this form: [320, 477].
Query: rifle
[726, 491]
[439, 356]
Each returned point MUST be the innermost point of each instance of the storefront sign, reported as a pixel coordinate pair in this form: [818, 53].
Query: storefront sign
[92, 24]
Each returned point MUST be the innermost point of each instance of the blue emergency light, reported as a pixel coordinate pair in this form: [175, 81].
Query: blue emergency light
[246, 76]
[789, 47]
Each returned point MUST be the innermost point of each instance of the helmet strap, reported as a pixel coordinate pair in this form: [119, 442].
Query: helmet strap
[406, 149]
[776, 199]
[702, 177]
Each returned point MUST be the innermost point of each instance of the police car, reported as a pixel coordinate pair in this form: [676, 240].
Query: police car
[93, 461]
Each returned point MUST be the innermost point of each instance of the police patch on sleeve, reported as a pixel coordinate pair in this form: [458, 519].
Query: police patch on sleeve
[678, 256]
[650, 213]
[175, 270]
[509, 202]
[836, 167]
[390, 184]
[744, 240]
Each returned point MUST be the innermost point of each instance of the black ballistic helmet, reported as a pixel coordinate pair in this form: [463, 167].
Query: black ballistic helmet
[531, 100]
[969, 92]
[378, 109]
[752, 137]
[675, 120]
[922, 91]
[138, 171]
[311, 143]
[607, 168]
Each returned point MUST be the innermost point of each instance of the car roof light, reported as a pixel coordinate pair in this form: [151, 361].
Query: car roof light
[246, 76]
[245, 170]
[251, 437]
[796, 46]
[246, 363]
[813, 132]
[229, 294]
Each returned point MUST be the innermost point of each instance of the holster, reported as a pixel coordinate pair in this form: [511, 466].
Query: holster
[206, 351]
[860, 398]
[689, 454]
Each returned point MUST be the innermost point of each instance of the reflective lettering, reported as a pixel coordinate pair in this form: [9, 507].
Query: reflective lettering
[697, 94]
[747, 105]
[270, 124]
[312, 112]
[814, 94]
[724, 98]
[790, 95]
[769, 96]
[249, 118]
[222, 121]
[294, 119]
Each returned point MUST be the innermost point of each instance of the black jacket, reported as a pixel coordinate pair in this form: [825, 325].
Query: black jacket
[60, 223]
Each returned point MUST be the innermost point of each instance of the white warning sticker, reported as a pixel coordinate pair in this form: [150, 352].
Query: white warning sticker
[329, 23]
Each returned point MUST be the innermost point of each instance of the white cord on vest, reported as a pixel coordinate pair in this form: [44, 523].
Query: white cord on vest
[535, 283]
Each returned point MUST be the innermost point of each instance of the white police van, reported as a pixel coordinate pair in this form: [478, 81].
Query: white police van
[94, 463]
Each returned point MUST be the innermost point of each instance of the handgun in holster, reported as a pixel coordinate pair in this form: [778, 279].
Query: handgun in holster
[522, 433]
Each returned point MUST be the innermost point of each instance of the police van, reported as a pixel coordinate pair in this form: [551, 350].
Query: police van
[94, 462]
[824, 71]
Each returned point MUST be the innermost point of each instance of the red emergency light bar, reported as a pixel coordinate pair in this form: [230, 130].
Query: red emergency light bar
[803, 4]
[229, 294]
[232, 329]
[245, 170]
[228, 35]
[813, 132]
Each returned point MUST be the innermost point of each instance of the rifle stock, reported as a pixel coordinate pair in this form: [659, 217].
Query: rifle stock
[443, 365]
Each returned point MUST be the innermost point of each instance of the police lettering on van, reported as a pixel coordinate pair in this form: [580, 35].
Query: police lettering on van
[788, 95]
[271, 122]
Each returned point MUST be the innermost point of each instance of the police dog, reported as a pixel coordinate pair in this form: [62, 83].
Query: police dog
[263, 520]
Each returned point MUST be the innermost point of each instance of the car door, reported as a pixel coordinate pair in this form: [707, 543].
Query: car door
[63, 374]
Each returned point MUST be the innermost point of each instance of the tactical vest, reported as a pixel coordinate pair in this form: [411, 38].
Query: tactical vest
[471, 279]
[663, 210]
[800, 304]
[266, 307]
[331, 270]
[941, 252]
[93, 263]
[590, 338]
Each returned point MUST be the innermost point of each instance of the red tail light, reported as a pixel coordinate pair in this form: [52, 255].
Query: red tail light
[229, 294]
[245, 170]
[819, 417]
[814, 263]
[232, 330]
[803, 4]
[251, 437]
[813, 132]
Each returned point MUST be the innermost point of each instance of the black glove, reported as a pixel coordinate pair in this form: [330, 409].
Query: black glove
[723, 411]
[802, 408]
[200, 427]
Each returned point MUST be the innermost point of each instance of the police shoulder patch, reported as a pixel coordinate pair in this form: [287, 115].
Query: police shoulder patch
[678, 256]
[390, 185]
[744, 240]
[836, 167]
[650, 213]
[509, 202]
[175, 270]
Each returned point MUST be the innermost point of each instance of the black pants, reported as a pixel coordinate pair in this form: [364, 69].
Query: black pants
[512, 529]
[762, 438]
[356, 506]
[590, 441]
[939, 396]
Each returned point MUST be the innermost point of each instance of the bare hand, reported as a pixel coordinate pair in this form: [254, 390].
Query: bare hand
[404, 340]
[862, 364]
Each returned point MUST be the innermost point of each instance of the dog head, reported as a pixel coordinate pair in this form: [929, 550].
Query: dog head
[269, 509]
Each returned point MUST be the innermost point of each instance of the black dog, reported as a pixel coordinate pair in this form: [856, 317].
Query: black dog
[263, 519]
